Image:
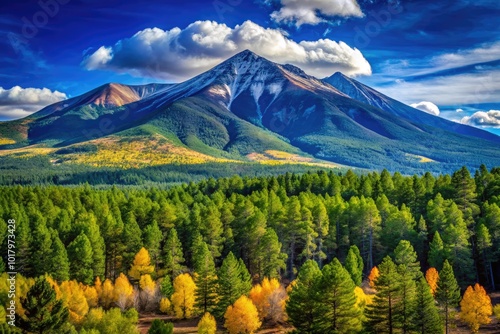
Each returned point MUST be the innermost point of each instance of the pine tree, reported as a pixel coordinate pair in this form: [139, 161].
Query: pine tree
[80, 257]
[58, 263]
[160, 327]
[271, 261]
[302, 305]
[448, 291]
[233, 281]
[436, 252]
[40, 247]
[475, 308]
[405, 307]
[43, 312]
[152, 239]
[338, 310]
[354, 265]
[426, 318]
[205, 278]
[173, 257]
[381, 314]
[404, 254]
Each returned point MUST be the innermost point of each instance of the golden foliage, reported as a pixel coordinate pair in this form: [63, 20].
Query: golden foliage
[207, 324]
[123, 293]
[106, 297]
[374, 274]
[141, 265]
[165, 306]
[75, 300]
[432, 278]
[98, 285]
[183, 297]
[475, 307]
[6, 141]
[147, 284]
[139, 152]
[242, 317]
[91, 295]
[269, 297]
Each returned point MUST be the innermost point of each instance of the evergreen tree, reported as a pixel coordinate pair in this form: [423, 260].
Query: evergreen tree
[302, 306]
[58, 263]
[132, 238]
[436, 252]
[354, 265]
[80, 257]
[271, 261]
[40, 247]
[448, 291]
[381, 314]
[152, 239]
[426, 318]
[43, 312]
[173, 257]
[232, 283]
[205, 279]
[160, 327]
[405, 306]
[464, 193]
[404, 254]
[338, 310]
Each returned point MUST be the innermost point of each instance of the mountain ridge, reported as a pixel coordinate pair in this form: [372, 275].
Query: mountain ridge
[248, 106]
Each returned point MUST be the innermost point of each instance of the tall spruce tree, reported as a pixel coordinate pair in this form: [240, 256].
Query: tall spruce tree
[448, 292]
[302, 306]
[381, 314]
[173, 256]
[404, 254]
[426, 318]
[338, 310]
[354, 265]
[233, 282]
[205, 278]
[80, 257]
[436, 252]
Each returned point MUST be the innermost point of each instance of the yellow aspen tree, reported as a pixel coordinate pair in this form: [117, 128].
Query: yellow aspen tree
[475, 308]
[148, 289]
[123, 293]
[432, 278]
[74, 299]
[141, 265]
[90, 293]
[98, 285]
[165, 306]
[207, 324]
[242, 317]
[264, 297]
[374, 274]
[183, 297]
[106, 297]
[496, 311]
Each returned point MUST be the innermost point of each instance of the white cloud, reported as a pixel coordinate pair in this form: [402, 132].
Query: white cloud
[313, 12]
[178, 54]
[460, 89]
[428, 107]
[459, 110]
[18, 102]
[483, 119]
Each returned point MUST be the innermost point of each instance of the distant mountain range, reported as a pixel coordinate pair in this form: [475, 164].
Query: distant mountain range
[248, 109]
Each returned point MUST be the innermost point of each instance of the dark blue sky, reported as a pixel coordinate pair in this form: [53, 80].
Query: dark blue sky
[443, 52]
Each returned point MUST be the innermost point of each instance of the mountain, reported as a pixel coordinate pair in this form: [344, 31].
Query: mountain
[368, 95]
[247, 109]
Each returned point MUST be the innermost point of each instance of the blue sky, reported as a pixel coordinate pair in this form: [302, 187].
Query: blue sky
[441, 56]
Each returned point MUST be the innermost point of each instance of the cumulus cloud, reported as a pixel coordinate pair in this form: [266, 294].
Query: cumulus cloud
[313, 12]
[18, 102]
[459, 110]
[178, 54]
[428, 107]
[483, 119]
